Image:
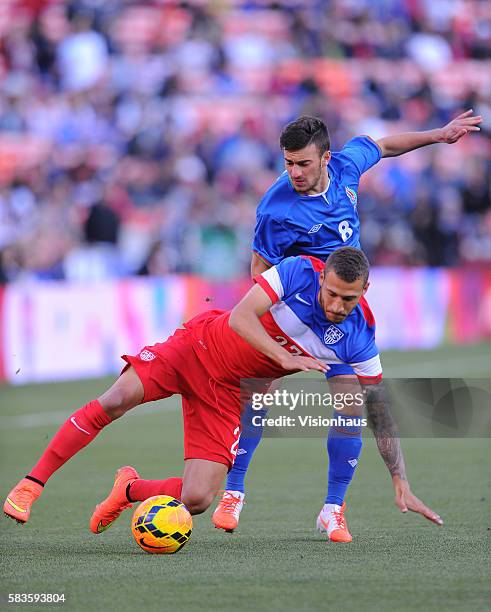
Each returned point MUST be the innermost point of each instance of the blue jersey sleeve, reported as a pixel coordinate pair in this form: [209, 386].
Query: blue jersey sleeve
[362, 152]
[284, 279]
[272, 239]
[364, 350]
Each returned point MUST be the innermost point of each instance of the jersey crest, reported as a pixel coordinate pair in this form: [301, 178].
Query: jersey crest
[352, 195]
[332, 335]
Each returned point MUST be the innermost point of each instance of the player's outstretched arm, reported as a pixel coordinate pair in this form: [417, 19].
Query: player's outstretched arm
[398, 144]
[389, 445]
[245, 320]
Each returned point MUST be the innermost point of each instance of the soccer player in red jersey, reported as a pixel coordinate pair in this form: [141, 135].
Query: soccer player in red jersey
[205, 363]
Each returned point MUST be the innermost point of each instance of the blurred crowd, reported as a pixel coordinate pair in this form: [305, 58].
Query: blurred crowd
[138, 137]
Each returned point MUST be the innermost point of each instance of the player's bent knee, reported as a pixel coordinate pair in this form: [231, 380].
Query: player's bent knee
[197, 502]
[126, 393]
[115, 403]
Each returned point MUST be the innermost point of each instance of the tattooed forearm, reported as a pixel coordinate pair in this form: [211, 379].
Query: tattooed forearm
[384, 429]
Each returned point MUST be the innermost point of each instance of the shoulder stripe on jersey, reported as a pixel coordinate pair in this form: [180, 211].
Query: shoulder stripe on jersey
[367, 313]
[263, 283]
[317, 264]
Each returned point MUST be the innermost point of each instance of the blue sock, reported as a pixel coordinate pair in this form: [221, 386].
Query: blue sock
[344, 448]
[249, 441]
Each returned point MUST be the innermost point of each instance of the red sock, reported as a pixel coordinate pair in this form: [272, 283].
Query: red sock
[75, 433]
[140, 489]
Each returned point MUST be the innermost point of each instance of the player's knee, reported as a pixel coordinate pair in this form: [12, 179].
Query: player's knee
[115, 403]
[197, 501]
[126, 393]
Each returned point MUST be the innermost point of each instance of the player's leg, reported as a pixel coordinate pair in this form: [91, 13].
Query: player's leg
[76, 433]
[226, 515]
[211, 416]
[128, 488]
[158, 368]
[344, 445]
[196, 489]
[198, 486]
[200, 483]
[248, 443]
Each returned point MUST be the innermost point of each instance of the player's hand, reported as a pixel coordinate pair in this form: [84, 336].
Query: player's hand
[298, 362]
[460, 126]
[406, 500]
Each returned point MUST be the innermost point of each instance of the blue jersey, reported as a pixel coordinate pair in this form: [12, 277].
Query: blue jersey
[289, 223]
[297, 317]
[297, 322]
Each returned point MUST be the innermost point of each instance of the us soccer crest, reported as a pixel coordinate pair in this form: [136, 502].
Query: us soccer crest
[352, 196]
[332, 335]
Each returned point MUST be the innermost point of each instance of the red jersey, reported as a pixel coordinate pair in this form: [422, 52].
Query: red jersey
[297, 322]
[227, 356]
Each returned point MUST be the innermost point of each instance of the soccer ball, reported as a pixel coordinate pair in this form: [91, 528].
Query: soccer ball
[161, 524]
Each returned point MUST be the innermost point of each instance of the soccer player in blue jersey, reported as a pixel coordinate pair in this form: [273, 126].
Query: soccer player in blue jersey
[312, 210]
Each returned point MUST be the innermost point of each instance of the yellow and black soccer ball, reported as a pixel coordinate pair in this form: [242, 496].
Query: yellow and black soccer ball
[161, 524]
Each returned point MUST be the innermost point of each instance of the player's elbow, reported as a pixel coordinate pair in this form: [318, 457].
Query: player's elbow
[383, 148]
[386, 149]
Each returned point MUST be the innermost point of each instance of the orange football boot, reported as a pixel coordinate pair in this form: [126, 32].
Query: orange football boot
[331, 520]
[19, 501]
[226, 515]
[108, 510]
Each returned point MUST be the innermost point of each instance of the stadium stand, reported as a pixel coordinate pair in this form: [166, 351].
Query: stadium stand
[137, 136]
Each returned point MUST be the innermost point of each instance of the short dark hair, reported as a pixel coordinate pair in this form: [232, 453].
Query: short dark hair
[349, 264]
[305, 131]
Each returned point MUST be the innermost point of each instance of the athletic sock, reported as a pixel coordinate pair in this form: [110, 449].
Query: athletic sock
[248, 442]
[140, 490]
[75, 433]
[344, 448]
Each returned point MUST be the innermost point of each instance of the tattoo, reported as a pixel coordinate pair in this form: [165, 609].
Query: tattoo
[384, 429]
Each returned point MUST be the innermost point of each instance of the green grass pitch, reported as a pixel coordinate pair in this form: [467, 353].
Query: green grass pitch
[276, 560]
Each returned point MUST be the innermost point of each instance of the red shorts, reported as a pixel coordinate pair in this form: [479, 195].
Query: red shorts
[211, 411]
